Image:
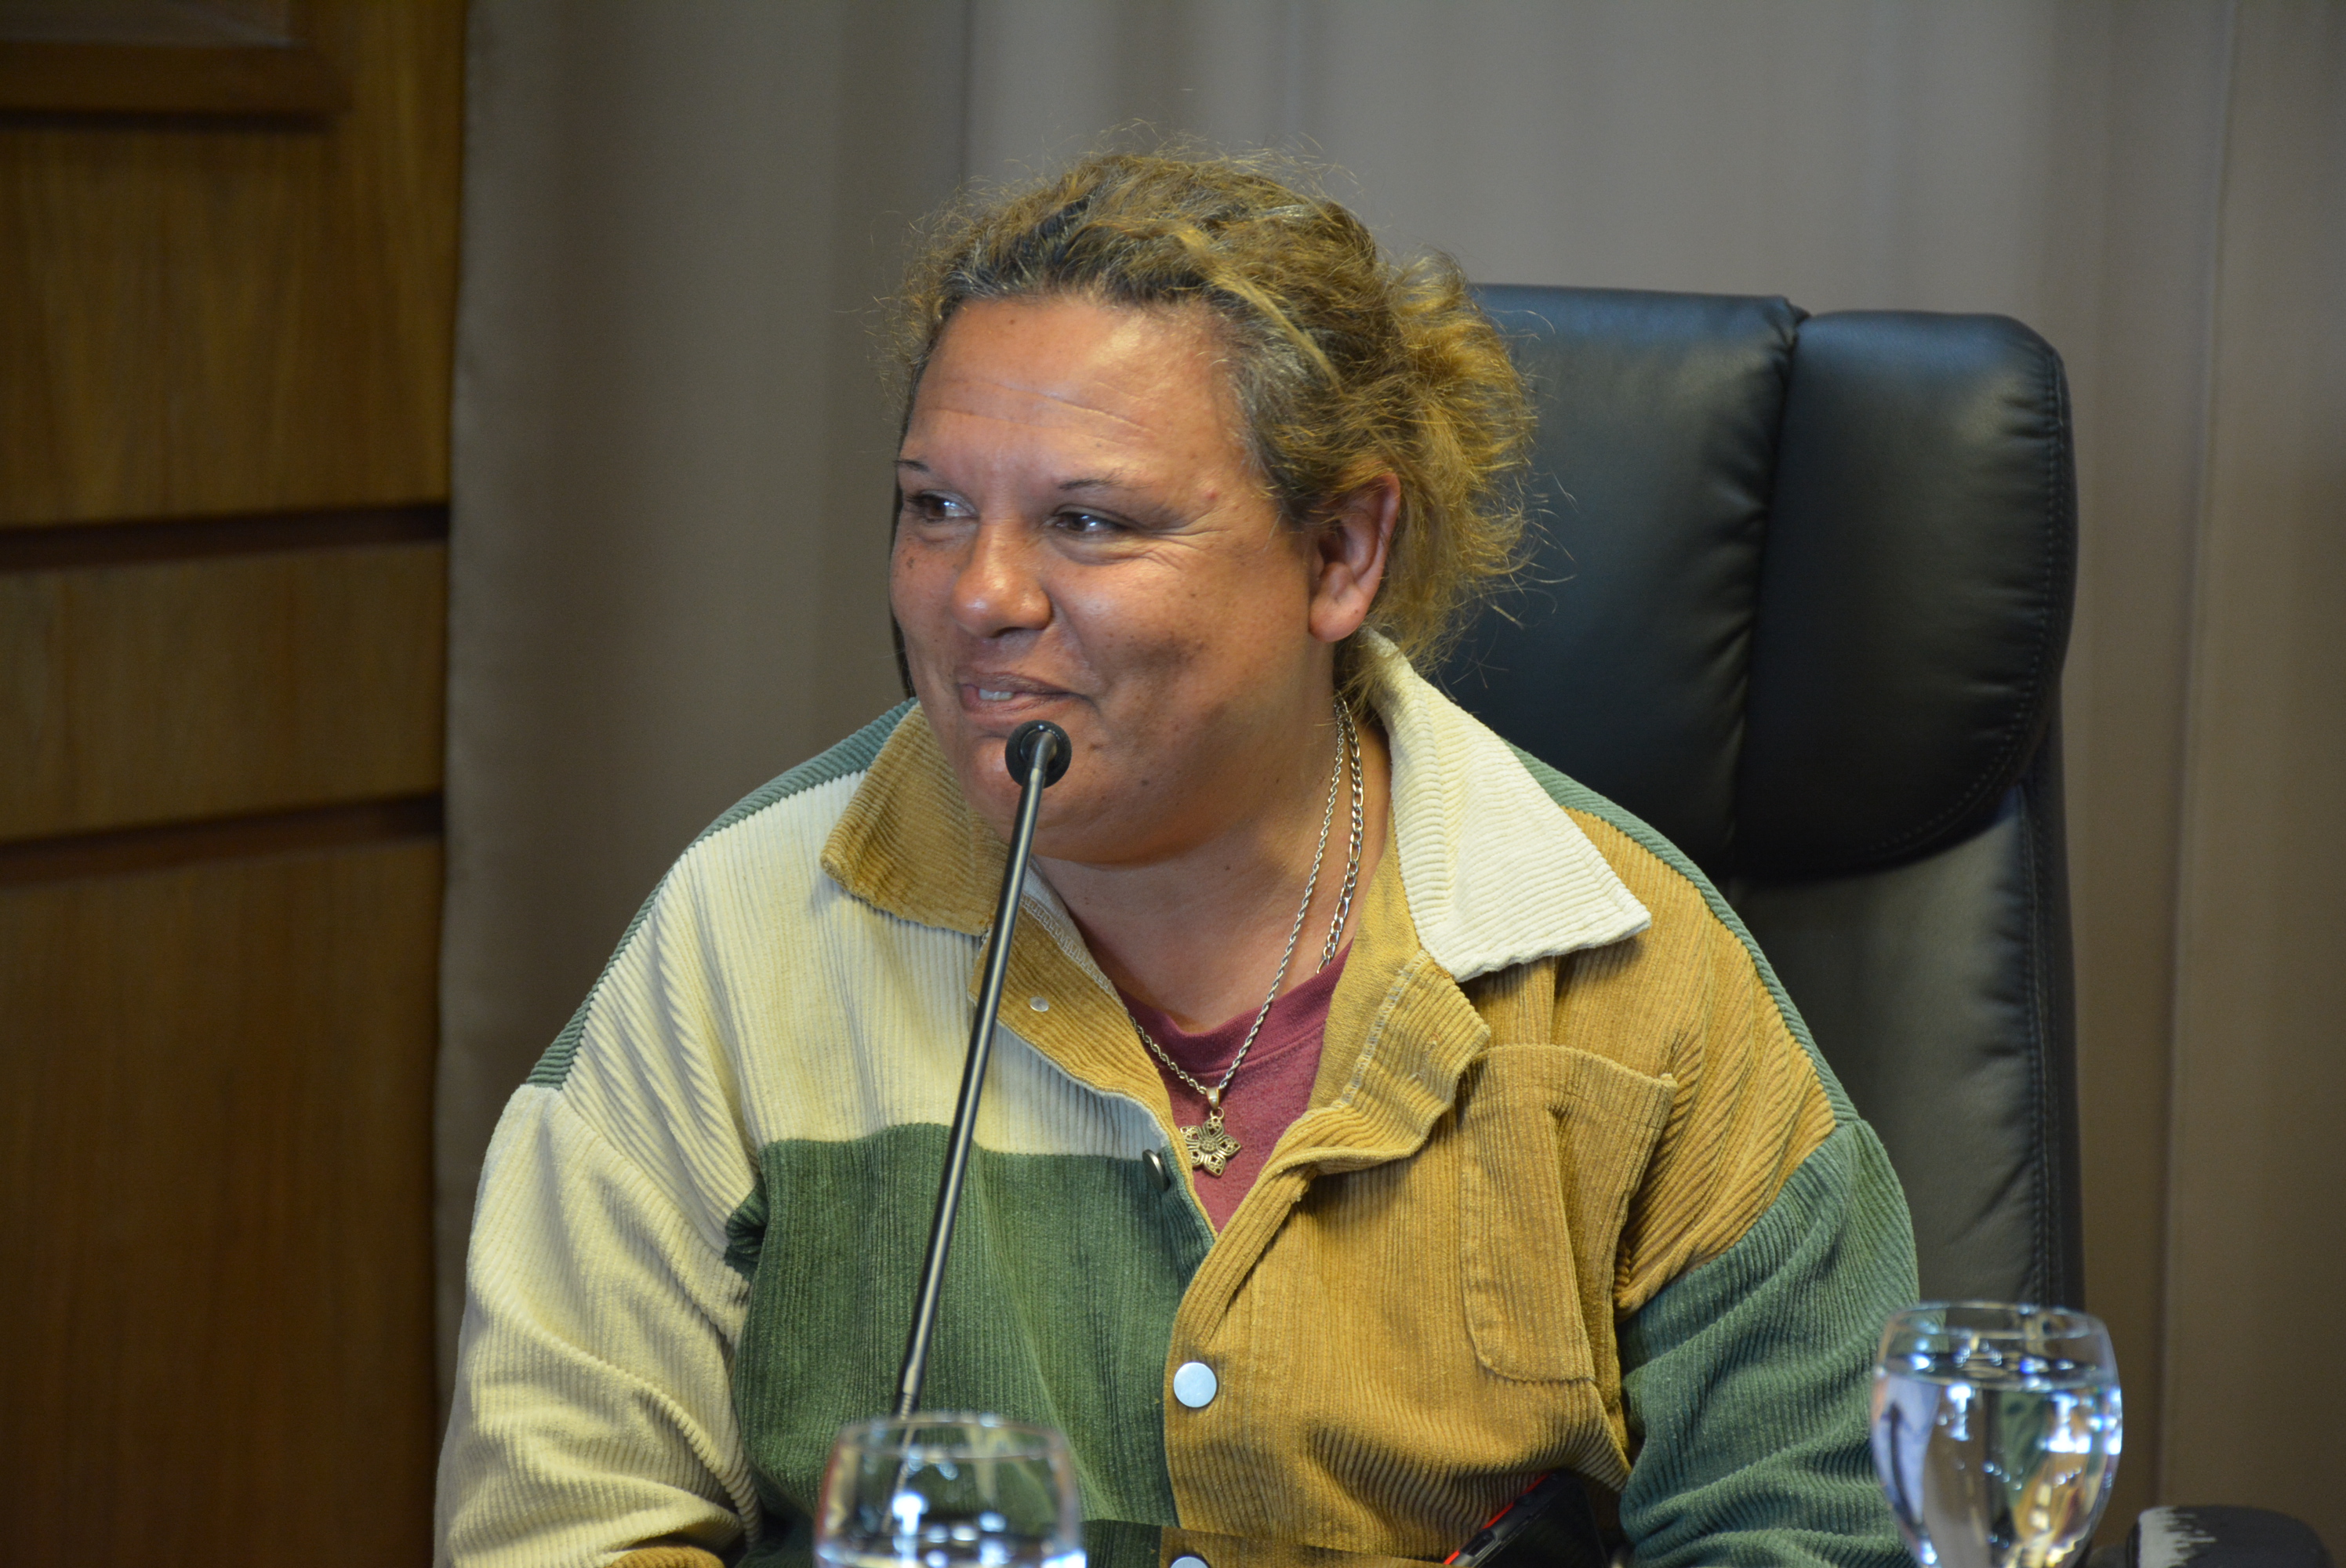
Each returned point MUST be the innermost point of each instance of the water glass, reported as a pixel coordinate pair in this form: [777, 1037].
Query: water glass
[1996, 1432]
[950, 1492]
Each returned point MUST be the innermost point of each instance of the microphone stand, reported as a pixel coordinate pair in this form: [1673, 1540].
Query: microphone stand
[1036, 755]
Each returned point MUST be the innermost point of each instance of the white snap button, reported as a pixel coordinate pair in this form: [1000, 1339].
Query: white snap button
[1194, 1384]
[1039, 1004]
[1187, 1561]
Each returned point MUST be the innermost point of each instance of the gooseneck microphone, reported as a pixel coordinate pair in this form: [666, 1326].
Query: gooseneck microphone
[1036, 755]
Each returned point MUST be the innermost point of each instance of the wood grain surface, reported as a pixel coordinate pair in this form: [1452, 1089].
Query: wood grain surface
[215, 1130]
[219, 688]
[123, 850]
[224, 398]
[237, 315]
[167, 78]
[64, 546]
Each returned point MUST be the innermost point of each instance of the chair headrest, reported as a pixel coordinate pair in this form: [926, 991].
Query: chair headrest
[1802, 585]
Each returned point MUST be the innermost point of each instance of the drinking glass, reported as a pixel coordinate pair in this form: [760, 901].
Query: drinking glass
[1996, 1432]
[949, 1492]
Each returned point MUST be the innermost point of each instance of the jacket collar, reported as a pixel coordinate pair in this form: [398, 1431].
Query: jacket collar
[909, 844]
[1495, 874]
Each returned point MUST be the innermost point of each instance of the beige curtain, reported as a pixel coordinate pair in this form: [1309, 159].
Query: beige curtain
[2255, 1265]
[670, 467]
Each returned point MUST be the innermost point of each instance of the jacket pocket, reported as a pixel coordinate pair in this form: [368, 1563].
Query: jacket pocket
[1553, 1142]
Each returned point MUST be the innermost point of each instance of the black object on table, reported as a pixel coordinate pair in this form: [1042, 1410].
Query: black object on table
[2215, 1536]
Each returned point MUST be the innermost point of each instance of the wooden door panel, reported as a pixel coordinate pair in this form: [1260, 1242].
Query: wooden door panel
[225, 350]
[216, 687]
[215, 1115]
[238, 316]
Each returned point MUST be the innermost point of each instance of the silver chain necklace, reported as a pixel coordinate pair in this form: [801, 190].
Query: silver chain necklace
[1209, 1144]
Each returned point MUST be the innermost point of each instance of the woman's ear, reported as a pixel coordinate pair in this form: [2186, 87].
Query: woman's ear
[1350, 542]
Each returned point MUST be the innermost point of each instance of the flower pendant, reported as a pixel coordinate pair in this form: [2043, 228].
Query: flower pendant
[1210, 1146]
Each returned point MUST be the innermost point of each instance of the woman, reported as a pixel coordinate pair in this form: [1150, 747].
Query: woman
[1377, 1122]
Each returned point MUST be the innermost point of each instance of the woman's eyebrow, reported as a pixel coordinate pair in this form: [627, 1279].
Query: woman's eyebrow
[1088, 482]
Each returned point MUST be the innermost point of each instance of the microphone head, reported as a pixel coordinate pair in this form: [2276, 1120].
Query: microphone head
[1018, 751]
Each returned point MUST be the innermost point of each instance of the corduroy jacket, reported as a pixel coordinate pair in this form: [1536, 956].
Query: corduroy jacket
[1574, 1189]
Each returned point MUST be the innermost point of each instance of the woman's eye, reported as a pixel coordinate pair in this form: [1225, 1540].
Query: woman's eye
[1089, 525]
[930, 507]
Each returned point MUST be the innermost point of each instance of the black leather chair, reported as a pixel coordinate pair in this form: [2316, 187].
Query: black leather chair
[1800, 601]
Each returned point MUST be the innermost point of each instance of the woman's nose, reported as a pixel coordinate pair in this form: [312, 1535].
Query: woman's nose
[998, 589]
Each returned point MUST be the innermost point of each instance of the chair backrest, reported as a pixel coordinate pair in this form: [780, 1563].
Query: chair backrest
[1800, 601]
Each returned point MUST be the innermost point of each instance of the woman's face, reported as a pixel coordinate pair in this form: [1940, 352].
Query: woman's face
[1084, 539]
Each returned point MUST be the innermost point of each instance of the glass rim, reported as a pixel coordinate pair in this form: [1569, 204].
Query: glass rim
[892, 1434]
[2019, 1320]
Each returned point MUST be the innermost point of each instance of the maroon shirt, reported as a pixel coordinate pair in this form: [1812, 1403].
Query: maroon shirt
[1272, 1088]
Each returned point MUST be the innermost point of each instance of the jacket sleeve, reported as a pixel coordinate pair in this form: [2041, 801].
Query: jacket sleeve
[1746, 1378]
[1767, 1244]
[593, 1408]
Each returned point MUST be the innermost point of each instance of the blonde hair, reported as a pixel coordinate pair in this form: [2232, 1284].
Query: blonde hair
[1346, 366]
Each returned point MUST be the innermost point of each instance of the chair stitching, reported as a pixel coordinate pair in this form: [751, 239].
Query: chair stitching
[2052, 394]
[2039, 1078]
[1789, 347]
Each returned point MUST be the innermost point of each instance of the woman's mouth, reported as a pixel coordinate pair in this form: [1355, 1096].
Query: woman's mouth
[1000, 692]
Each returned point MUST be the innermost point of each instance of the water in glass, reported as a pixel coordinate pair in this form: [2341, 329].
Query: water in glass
[950, 1492]
[1996, 1432]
